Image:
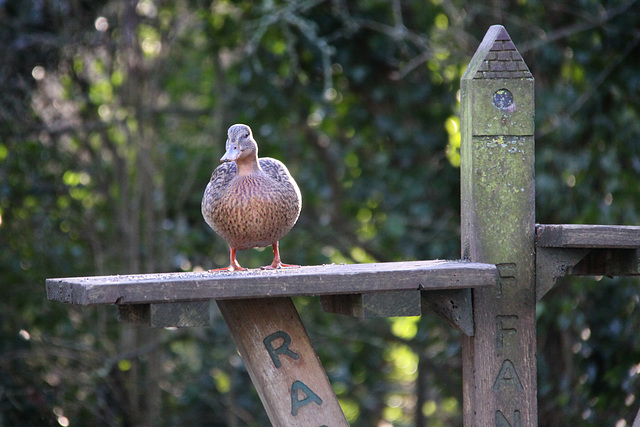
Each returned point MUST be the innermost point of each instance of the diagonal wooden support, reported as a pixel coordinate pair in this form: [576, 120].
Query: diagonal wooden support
[282, 363]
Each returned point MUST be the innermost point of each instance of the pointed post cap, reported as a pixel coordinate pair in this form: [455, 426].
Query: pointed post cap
[496, 90]
[497, 58]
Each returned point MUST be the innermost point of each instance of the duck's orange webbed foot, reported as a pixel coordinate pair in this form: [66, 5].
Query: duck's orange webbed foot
[233, 265]
[276, 264]
[230, 268]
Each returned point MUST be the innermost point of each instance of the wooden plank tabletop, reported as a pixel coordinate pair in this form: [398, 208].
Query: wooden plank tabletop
[308, 280]
[588, 236]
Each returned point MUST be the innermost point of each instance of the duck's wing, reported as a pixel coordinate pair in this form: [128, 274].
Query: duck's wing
[288, 193]
[275, 169]
[223, 174]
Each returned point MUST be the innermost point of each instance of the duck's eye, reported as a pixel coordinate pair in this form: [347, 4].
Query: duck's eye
[246, 135]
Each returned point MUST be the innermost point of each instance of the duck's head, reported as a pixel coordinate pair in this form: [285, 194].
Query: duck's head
[240, 144]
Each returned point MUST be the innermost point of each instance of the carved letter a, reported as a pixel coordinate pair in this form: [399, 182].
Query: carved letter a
[297, 404]
[501, 420]
[507, 376]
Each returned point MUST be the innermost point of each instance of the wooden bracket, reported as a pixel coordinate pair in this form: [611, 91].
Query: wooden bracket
[584, 250]
[552, 264]
[455, 306]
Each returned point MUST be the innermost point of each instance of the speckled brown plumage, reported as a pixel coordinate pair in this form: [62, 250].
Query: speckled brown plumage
[250, 202]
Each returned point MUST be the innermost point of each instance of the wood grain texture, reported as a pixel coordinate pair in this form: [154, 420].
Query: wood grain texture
[312, 280]
[282, 363]
[378, 304]
[587, 236]
[608, 262]
[175, 315]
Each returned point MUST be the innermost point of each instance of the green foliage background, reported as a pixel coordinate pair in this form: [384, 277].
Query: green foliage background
[113, 115]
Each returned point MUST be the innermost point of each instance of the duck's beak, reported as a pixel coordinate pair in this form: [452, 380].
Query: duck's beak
[232, 154]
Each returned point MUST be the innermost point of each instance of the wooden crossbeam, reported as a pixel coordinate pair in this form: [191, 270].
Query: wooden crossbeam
[587, 236]
[312, 280]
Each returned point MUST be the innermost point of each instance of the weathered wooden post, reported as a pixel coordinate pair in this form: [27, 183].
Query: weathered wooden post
[497, 190]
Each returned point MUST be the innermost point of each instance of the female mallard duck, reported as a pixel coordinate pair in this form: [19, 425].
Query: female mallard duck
[250, 202]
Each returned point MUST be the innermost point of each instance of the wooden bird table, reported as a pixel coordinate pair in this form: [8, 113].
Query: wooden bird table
[264, 323]
[508, 264]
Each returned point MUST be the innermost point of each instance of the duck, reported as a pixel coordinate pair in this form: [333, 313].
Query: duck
[250, 202]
